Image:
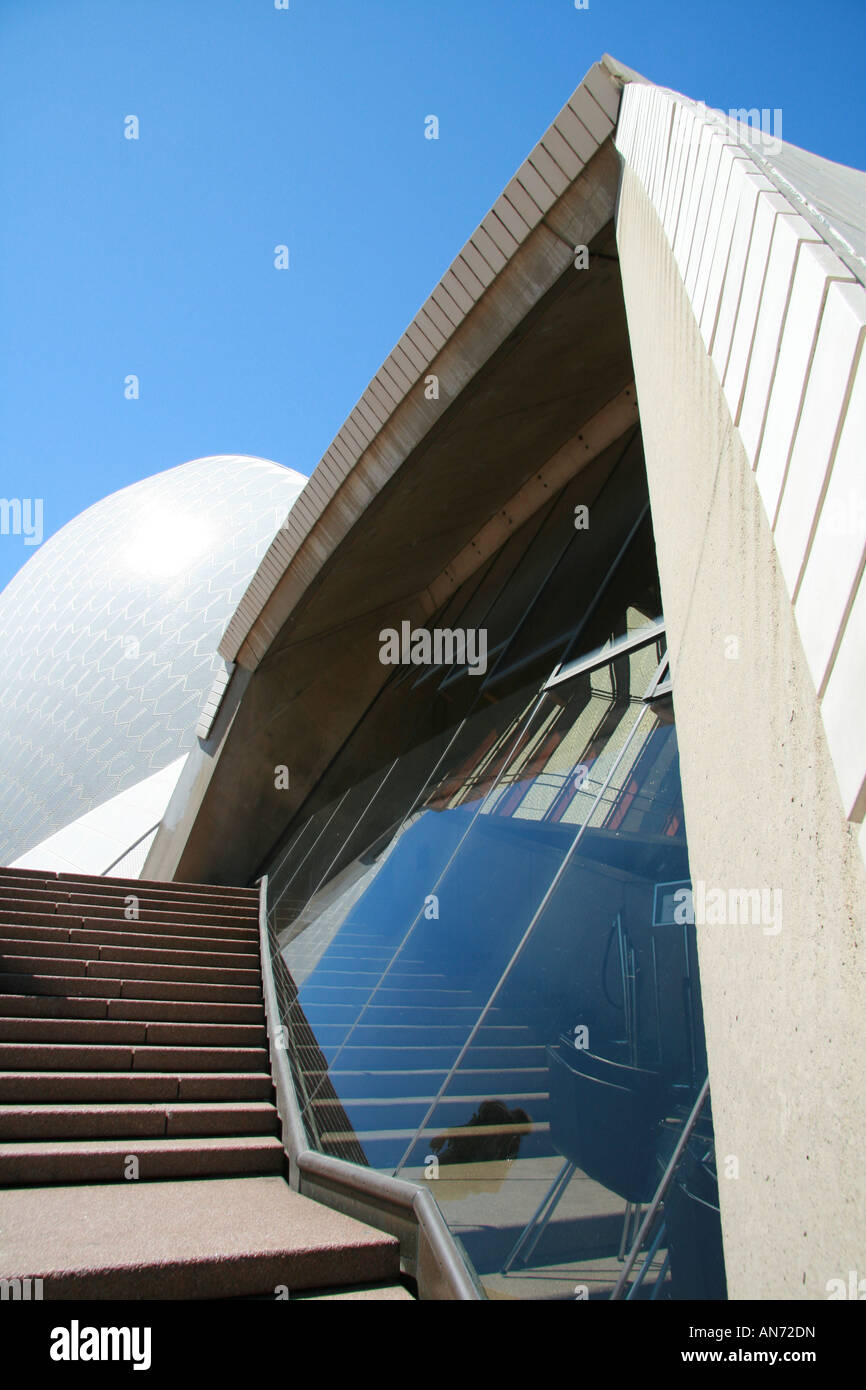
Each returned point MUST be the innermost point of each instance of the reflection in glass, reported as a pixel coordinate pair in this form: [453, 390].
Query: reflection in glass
[486, 990]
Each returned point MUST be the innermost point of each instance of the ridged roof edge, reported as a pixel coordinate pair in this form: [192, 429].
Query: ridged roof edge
[586, 120]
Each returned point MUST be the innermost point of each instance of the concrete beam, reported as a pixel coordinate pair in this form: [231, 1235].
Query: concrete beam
[602, 430]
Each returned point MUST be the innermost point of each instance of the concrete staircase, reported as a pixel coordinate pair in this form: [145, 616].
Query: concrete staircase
[139, 1141]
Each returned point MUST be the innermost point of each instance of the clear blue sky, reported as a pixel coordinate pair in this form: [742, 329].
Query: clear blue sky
[305, 127]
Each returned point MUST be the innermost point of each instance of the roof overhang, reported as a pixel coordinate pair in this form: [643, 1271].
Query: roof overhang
[560, 197]
[531, 359]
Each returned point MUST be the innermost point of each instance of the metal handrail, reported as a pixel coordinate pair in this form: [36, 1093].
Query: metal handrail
[428, 1251]
[661, 1190]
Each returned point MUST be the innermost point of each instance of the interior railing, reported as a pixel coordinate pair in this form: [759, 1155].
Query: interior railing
[428, 1252]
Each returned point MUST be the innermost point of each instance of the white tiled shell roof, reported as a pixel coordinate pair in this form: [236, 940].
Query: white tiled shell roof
[109, 633]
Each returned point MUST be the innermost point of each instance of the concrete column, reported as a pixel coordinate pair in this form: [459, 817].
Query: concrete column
[784, 999]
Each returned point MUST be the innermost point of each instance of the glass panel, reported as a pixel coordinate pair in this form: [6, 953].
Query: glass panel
[588, 560]
[289, 865]
[588, 1056]
[350, 933]
[482, 977]
[416, 912]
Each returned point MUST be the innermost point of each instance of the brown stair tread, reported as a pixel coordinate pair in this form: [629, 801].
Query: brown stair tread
[63, 880]
[128, 987]
[165, 936]
[94, 968]
[107, 1160]
[46, 1087]
[367, 1293]
[41, 914]
[11, 949]
[192, 1239]
[156, 1010]
[120, 902]
[136, 1057]
[154, 1031]
[105, 1120]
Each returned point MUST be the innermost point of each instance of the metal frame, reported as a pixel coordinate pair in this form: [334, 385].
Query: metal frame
[428, 1251]
[660, 1193]
[643, 637]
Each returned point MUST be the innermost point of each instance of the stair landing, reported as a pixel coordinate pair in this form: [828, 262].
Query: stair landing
[216, 1238]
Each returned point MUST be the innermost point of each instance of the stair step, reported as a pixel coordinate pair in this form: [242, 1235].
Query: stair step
[120, 901]
[63, 881]
[22, 915]
[167, 893]
[130, 988]
[166, 1011]
[18, 932]
[190, 974]
[11, 949]
[182, 957]
[106, 1160]
[127, 935]
[367, 1293]
[136, 1119]
[69, 927]
[22, 892]
[92, 1087]
[46, 900]
[50, 1006]
[57, 1006]
[243, 1237]
[86, 1057]
[231, 944]
[42, 912]
[204, 917]
[72, 1030]
[162, 925]
[132, 969]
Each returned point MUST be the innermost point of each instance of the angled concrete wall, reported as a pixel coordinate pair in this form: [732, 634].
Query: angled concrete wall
[784, 1009]
[783, 318]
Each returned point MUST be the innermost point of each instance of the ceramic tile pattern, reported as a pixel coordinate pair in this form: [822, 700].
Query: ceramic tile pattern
[108, 635]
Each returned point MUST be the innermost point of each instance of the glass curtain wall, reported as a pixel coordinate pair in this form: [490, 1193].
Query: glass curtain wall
[489, 990]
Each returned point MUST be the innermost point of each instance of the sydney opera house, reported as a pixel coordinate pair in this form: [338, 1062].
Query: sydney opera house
[501, 785]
